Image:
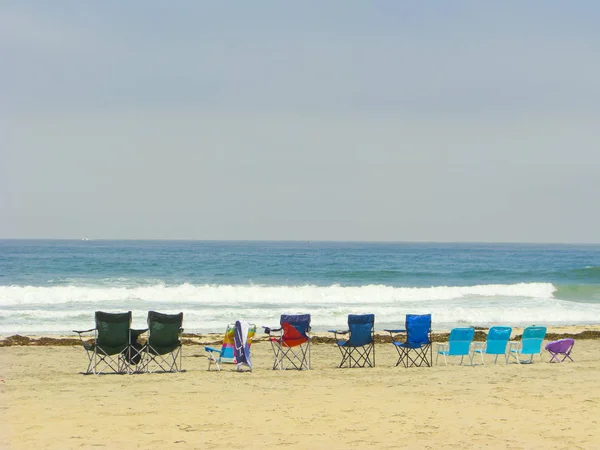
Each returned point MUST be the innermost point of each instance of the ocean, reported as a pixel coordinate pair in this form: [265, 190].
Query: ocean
[54, 286]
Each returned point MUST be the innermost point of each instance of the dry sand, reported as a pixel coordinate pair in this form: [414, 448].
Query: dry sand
[47, 403]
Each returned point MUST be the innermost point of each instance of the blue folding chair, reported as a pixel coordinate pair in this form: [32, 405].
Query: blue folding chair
[459, 344]
[495, 344]
[359, 349]
[417, 349]
[531, 344]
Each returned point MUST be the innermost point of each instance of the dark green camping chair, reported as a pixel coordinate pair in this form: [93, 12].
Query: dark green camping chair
[110, 347]
[163, 349]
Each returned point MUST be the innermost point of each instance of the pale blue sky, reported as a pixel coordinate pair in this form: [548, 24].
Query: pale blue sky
[353, 120]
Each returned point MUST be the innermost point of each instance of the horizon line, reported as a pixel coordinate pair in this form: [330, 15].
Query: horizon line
[357, 241]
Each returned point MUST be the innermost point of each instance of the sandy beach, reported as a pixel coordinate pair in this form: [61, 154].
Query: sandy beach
[47, 403]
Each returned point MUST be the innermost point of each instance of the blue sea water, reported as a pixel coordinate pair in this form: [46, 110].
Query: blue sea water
[52, 286]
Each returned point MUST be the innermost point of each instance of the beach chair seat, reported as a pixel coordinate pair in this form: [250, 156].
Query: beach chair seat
[562, 347]
[291, 342]
[358, 350]
[227, 353]
[496, 344]
[530, 345]
[459, 344]
[416, 349]
[162, 351]
[109, 349]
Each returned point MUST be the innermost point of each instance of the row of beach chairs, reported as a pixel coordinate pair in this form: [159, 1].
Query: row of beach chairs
[115, 345]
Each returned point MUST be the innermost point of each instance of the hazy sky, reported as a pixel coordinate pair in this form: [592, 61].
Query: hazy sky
[342, 120]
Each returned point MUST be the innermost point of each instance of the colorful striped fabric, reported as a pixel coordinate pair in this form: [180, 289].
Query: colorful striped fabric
[227, 349]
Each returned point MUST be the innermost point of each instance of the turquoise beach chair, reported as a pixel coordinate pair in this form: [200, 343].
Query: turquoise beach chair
[495, 344]
[459, 344]
[531, 344]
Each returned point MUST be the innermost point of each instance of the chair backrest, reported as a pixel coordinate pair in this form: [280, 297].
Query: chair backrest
[362, 329]
[163, 329]
[228, 347]
[497, 340]
[531, 341]
[295, 328]
[418, 328]
[251, 333]
[113, 329]
[459, 341]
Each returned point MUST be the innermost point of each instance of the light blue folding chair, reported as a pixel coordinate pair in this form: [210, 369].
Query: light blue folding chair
[459, 344]
[495, 344]
[530, 345]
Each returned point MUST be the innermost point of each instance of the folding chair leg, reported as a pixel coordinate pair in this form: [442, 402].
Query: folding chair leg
[170, 362]
[90, 360]
[297, 357]
[212, 360]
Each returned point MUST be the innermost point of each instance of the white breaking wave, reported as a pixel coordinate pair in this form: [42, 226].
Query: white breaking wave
[248, 294]
[208, 308]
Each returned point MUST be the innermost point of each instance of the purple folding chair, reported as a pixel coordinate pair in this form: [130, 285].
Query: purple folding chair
[560, 347]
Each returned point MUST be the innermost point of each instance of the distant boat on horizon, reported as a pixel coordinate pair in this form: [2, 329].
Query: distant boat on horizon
[85, 238]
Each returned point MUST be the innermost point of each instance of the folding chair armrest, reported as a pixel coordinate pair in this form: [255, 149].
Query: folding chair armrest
[212, 350]
[478, 345]
[338, 331]
[395, 331]
[268, 330]
[441, 344]
[84, 331]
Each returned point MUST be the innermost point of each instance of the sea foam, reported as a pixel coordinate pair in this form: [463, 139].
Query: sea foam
[208, 308]
[258, 294]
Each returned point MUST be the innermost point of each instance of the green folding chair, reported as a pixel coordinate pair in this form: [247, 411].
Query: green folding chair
[162, 351]
[109, 350]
